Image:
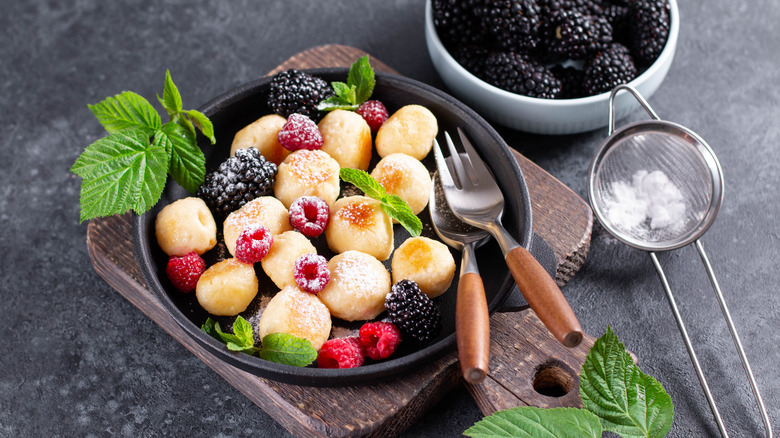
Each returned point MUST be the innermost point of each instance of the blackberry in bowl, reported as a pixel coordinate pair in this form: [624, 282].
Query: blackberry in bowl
[556, 79]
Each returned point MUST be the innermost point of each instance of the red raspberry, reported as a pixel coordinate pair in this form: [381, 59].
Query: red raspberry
[300, 132]
[253, 244]
[374, 113]
[185, 271]
[311, 273]
[309, 215]
[341, 353]
[379, 339]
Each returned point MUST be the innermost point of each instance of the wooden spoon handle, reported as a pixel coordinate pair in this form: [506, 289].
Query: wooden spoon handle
[472, 327]
[544, 296]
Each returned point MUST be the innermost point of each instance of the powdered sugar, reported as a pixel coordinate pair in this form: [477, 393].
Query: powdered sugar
[648, 203]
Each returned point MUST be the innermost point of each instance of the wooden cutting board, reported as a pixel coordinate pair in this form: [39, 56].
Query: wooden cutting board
[528, 366]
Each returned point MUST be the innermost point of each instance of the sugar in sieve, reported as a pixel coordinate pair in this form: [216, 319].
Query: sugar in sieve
[657, 186]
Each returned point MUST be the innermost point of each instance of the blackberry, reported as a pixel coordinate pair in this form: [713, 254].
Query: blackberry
[238, 180]
[608, 69]
[456, 24]
[520, 74]
[472, 58]
[514, 24]
[413, 312]
[618, 17]
[579, 35]
[294, 91]
[650, 28]
[571, 79]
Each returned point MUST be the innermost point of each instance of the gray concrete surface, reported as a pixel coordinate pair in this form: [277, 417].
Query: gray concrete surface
[79, 360]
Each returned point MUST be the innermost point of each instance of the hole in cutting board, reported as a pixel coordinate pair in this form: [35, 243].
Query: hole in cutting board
[553, 379]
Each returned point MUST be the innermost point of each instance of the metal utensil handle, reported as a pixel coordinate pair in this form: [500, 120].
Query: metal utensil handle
[735, 337]
[638, 97]
[689, 345]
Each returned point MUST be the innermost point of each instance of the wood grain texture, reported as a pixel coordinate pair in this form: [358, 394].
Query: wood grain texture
[472, 328]
[521, 348]
[544, 296]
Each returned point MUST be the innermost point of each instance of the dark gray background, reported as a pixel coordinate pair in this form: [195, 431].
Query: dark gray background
[78, 360]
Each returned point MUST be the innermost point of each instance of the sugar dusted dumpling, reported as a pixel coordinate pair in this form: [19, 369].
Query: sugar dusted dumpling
[347, 139]
[405, 176]
[184, 226]
[357, 287]
[307, 173]
[410, 130]
[278, 263]
[359, 223]
[265, 210]
[227, 288]
[262, 135]
[425, 261]
[298, 313]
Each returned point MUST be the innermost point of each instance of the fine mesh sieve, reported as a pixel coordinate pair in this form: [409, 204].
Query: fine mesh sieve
[657, 186]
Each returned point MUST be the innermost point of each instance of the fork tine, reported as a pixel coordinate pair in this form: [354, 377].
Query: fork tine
[474, 158]
[441, 165]
[456, 161]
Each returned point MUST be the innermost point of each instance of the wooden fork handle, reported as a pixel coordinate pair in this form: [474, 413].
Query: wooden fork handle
[544, 296]
[472, 328]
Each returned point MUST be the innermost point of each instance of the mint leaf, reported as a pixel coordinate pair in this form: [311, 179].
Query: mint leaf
[121, 172]
[344, 91]
[202, 123]
[532, 422]
[287, 349]
[393, 205]
[243, 331]
[361, 76]
[171, 99]
[628, 401]
[241, 340]
[398, 209]
[362, 180]
[126, 110]
[187, 165]
[334, 103]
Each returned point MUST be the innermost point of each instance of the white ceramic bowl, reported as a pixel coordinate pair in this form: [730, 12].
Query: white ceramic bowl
[545, 116]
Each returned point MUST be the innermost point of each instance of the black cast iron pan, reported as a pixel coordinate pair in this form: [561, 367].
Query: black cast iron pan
[243, 105]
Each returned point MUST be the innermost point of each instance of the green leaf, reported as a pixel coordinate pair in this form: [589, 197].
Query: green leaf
[287, 349]
[398, 209]
[628, 401]
[532, 422]
[361, 76]
[344, 91]
[187, 163]
[362, 180]
[243, 331]
[202, 123]
[334, 103]
[171, 99]
[121, 172]
[126, 110]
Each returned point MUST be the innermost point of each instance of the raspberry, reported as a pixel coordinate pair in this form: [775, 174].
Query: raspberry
[253, 244]
[300, 132]
[309, 215]
[185, 271]
[311, 273]
[379, 339]
[374, 113]
[341, 353]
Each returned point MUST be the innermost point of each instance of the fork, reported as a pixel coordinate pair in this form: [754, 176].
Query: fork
[476, 199]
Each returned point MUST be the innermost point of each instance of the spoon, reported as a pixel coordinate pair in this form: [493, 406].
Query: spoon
[472, 323]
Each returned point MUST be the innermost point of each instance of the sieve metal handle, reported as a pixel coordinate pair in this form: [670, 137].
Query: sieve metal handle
[638, 97]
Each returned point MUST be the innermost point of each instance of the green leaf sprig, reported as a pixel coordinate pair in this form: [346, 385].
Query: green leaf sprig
[617, 397]
[126, 170]
[393, 205]
[358, 88]
[281, 348]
